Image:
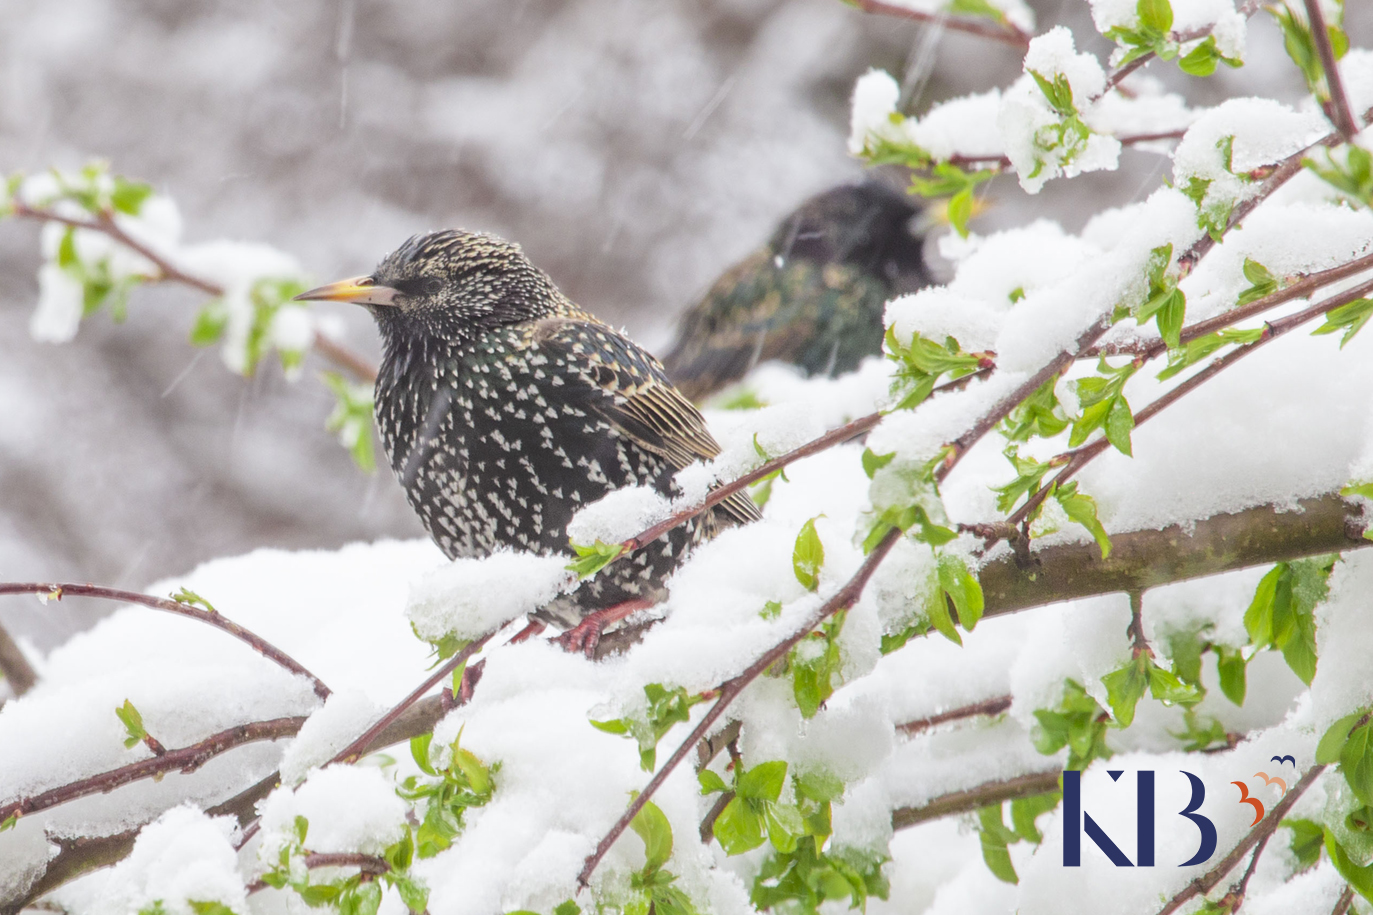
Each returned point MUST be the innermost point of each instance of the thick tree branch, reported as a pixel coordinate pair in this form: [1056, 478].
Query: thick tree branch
[105, 224]
[1146, 559]
[185, 760]
[1006, 34]
[1260, 833]
[17, 670]
[972, 798]
[59, 590]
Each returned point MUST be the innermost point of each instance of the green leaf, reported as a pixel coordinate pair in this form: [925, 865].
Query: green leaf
[1168, 689]
[995, 853]
[414, 894]
[875, 462]
[591, 559]
[210, 323]
[10, 822]
[1308, 837]
[128, 196]
[209, 907]
[1026, 811]
[613, 726]
[1155, 14]
[738, 828]
[419, 750]
[190, 598]
[1360, 878]
[1232, 668]
[652, 825]
[711, 782]
[819, 786]
[1201, 60]
[1331, 746]
[807, 556]
[567, 907]
[784, 826]
[1125, 687]
[1081, 509]
[1350, 318]
[352, 418]
[763, 782]
[1356, 762]
[962, 588]
[66, 250]
[133, 724]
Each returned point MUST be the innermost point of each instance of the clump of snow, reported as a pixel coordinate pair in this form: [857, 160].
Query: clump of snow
[344, 715]
[1148, 109]
[1233, 139]
[60, 304]
[350, 809]
[1034, 134]
[237, 267]
[473, 596]
[1218, 18]
[874, 102]
[964, 126]
[293, 328]
[618, 515]
[181, 859]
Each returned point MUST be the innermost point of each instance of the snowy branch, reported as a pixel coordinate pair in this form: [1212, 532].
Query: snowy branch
[1007, 33]
[1079, 458]
[1260, 833]
[972, 798]
[367, 864]
[185, 760]
[105, 224]
[993, 706]
[1119, 73]
[56, 591]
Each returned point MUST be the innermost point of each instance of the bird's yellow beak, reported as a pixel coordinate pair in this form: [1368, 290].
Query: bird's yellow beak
[361, 290]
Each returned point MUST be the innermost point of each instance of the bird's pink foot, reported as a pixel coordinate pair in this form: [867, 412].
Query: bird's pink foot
[586, 635]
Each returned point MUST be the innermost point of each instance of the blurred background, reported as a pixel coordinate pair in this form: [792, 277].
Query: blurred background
[635, 149]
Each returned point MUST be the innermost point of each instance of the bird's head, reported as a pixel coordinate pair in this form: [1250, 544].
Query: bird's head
[451, 284]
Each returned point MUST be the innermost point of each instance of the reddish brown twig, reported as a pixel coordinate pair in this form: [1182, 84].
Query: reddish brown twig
[1119, 73]
[1337, 107]
[1207, 881]
[185, 760]
[989, 707]
[1008, 33]
[1004, 162]
[370, 865]
[62, 589]
[17, 670]
[105, 224]
[1344, 902]
[970, 799]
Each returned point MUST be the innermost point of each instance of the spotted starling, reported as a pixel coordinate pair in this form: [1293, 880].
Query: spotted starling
[812, 296]
[505, 408]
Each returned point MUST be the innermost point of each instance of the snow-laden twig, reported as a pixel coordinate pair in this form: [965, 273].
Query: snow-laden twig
[367, 864]
[970, 799]
[993, 706]
[1337, 109]
[185, 760]
[1007, 34]
[58, 590]
[1234, 897]
[1260, 833]
[105, 224]
[1080, 457]
[1003, 162]
[1119, 73]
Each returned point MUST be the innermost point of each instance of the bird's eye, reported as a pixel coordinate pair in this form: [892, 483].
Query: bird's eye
[431, 285]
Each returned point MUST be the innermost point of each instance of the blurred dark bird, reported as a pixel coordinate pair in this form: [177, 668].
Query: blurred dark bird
[505, 408]
[812, 296]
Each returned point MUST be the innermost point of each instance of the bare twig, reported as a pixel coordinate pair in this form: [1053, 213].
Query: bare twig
[993, 706]
[370, 865]
[18, 672]
[105, 224]
[1207, 881]
[1344, 902]
[972, 798]
[1337, 108]
[185, 760]
[1138, 643]
[1007, 34]
[1003, 163]
[59, 590]
[707, 830]
[1234, 898]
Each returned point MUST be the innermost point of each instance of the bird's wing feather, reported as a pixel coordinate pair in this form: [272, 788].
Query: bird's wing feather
[636, 396]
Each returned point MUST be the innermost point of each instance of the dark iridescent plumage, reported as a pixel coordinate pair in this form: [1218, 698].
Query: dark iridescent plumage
[505, 408]
[813, 296]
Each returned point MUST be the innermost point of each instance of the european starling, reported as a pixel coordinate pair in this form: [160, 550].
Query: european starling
[505, 408]
[812, 296]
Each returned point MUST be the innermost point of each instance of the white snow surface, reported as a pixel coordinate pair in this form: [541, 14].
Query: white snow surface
[470, 597]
